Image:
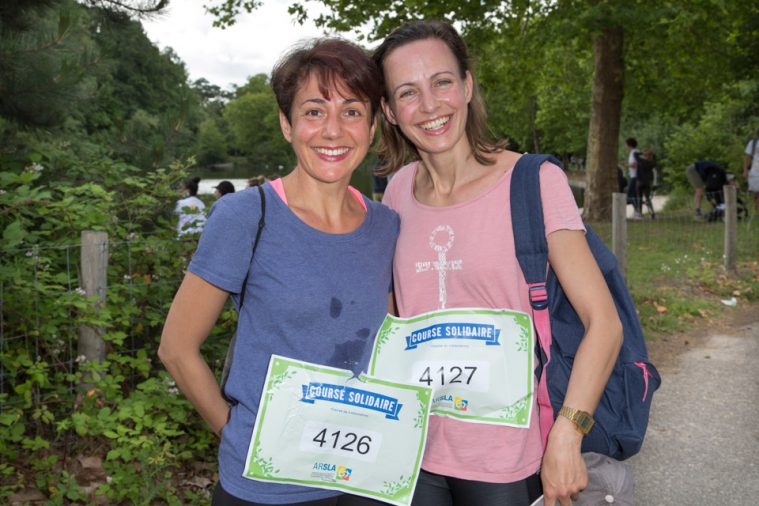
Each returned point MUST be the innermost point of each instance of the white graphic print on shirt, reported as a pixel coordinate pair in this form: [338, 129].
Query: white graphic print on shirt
[442, 265]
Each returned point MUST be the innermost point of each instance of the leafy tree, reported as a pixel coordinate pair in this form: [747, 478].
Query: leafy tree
[131, 7]
[599, 20]
[682, 64]
[211, 93]
[652, 65]
[211, 145]
[719, 133]
[45, 53]
[253, 119]
[94, 73]
[146, 110]
[225, 11]
[213, 137]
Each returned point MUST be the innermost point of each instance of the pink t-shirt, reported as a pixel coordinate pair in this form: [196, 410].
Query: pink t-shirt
[475, 243]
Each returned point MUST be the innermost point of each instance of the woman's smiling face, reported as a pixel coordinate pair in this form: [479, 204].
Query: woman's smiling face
[428, 97]
[330, 135]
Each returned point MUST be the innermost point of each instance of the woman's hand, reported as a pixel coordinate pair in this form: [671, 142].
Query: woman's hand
[563, 472]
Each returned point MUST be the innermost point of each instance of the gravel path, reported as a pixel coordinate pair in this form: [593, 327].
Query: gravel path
[702, 444]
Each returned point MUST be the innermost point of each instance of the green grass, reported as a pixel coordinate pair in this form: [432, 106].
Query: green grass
[675, 271]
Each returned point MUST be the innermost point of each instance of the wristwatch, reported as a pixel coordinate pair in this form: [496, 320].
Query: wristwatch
[582, 419]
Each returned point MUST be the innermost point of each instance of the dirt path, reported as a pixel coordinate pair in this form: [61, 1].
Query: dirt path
[702, 445]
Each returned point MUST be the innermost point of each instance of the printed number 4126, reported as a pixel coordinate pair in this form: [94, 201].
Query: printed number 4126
[346, 441]
[323, 437]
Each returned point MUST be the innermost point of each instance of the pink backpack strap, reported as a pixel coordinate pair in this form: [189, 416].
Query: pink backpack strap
[542, 322]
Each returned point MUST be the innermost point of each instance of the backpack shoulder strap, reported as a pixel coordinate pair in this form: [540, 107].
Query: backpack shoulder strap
[261, 222]
[231, 349]
[532, 254]
[527, 216]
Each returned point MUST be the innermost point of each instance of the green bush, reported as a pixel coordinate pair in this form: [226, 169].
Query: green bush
[58, 410]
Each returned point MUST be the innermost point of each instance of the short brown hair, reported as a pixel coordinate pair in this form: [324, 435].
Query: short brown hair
[395, 149]
[333, 61]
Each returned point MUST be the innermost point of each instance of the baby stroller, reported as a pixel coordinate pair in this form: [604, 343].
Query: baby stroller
[715, 178]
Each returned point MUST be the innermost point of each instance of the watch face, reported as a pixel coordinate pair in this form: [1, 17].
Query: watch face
[582, 420]
[585, 422]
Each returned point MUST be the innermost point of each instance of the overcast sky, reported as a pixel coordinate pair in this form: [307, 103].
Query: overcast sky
[226, 57]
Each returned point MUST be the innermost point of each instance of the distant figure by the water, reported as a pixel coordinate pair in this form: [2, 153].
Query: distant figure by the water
[223, 188]
[190, 209]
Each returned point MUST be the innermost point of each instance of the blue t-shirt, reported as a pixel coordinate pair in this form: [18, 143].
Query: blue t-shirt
[310, 296]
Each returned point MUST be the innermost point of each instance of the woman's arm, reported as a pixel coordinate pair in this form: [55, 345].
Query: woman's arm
[563, 471]
[196, 307]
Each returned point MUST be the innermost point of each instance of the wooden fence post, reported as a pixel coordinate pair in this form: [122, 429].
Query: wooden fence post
[731, 227]
[619, 230]
[94, 270]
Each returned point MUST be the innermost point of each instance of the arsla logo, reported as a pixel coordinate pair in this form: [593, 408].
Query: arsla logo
[344, 473]
[460, 404]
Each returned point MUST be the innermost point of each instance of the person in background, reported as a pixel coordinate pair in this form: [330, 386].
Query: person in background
[223, 188]
[454, 198]
[300, 299]
[703, 176]
[621, 179]
[632, 181]
[751, 169]
[190, 209]
[646, 167]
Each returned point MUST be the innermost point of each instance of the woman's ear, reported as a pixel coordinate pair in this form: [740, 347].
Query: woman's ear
[469, 85]
[373, 126]
[287, 129]
[388, 111]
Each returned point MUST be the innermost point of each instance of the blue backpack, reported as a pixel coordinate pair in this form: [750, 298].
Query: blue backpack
[622, 413]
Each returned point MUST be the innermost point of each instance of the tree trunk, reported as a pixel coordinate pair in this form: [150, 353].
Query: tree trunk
[603, 137]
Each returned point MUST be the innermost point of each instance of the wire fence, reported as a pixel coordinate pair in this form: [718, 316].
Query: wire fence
[43, 306]
[663, 237]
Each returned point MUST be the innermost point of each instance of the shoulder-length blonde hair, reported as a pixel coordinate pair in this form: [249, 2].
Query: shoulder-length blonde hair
[394, 148]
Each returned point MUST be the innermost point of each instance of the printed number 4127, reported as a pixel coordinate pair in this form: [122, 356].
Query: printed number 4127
[448, 375]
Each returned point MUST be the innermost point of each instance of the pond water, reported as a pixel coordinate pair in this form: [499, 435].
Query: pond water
[207, 186]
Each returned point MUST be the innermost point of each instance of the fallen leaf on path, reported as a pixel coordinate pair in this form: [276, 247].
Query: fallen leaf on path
[198, 481]
[661, 309]
[94, 462]
[91, 488]
[27, 495]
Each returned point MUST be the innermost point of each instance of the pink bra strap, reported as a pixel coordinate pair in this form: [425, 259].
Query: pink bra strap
[280, 189]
